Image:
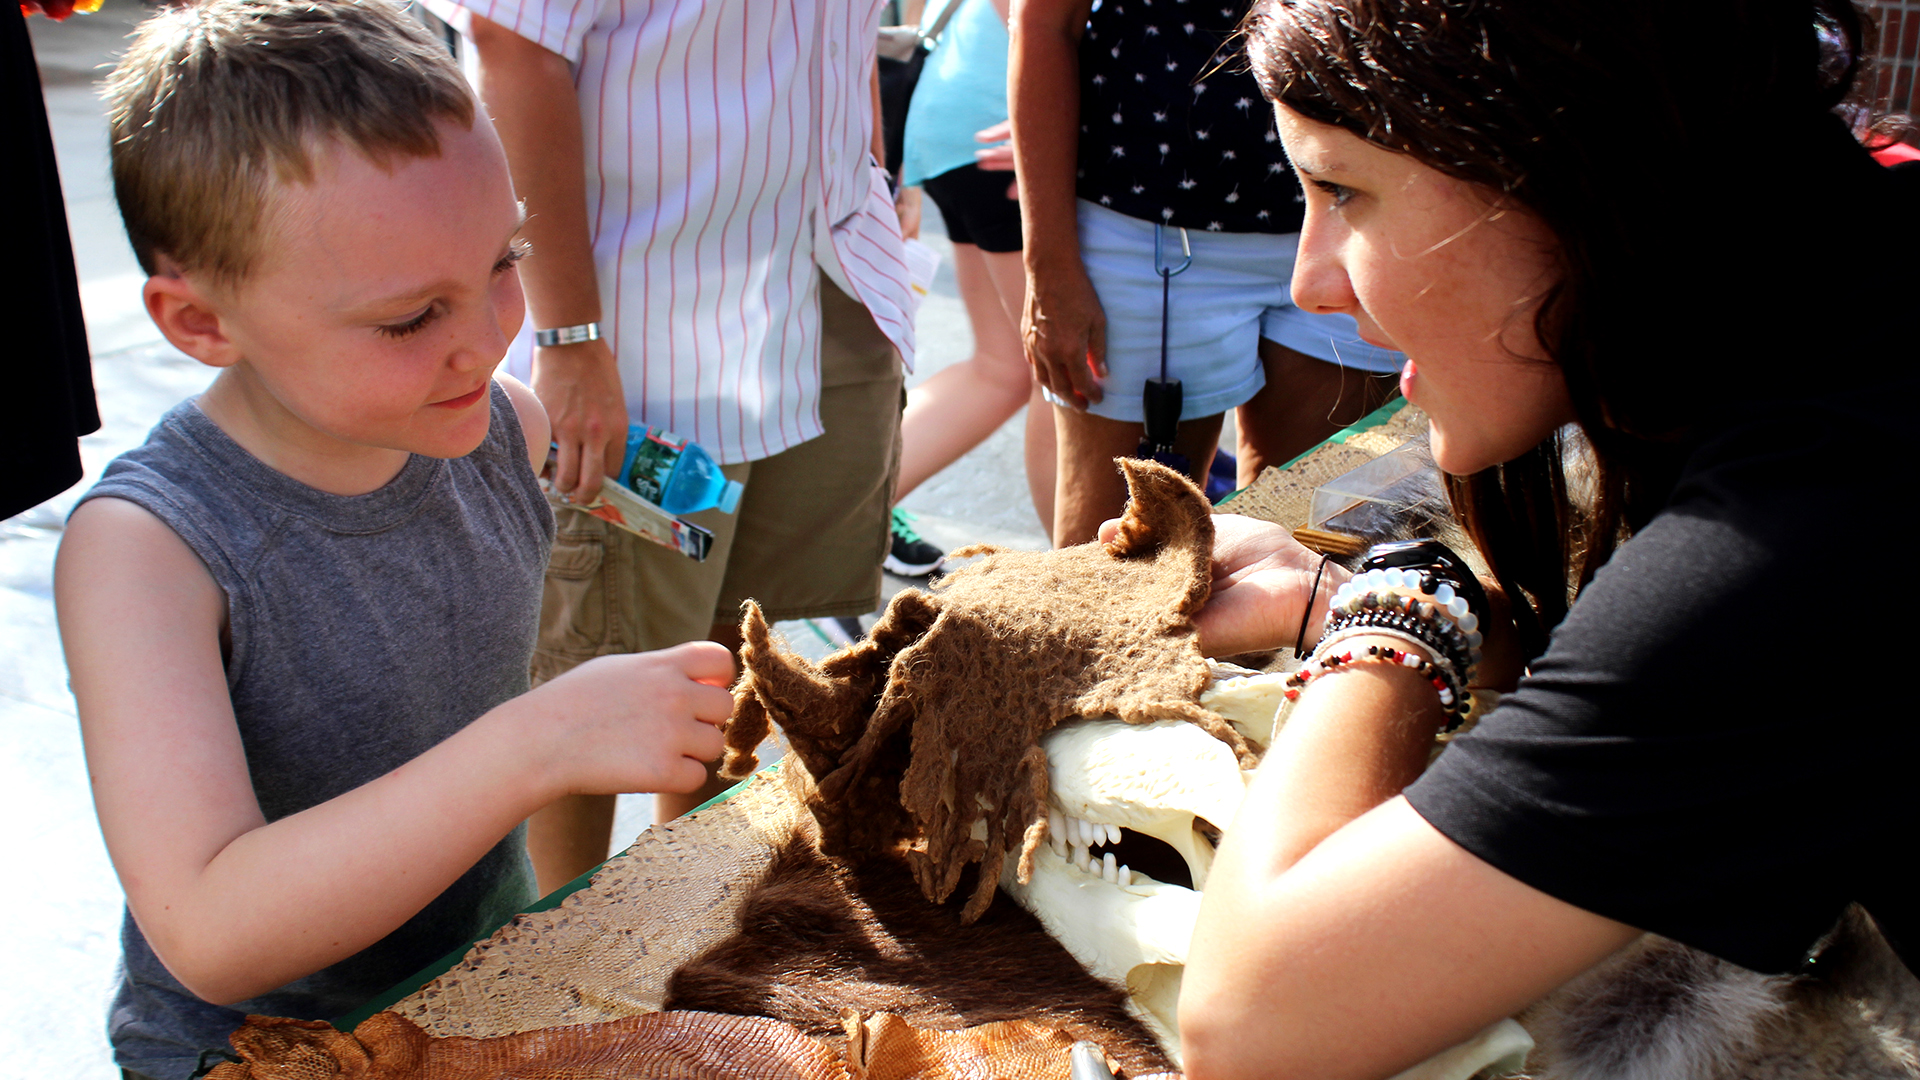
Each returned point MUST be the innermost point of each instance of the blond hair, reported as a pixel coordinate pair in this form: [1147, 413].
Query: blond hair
[216, 101]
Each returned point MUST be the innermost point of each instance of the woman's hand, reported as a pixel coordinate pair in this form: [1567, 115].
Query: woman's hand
[1065, 332]
[1262, 580]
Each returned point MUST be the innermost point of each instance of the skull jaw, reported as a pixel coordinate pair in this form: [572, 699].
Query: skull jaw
[1158, 780]
[1135, 935]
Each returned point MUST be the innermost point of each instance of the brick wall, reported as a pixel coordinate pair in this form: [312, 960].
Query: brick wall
[1896, 71]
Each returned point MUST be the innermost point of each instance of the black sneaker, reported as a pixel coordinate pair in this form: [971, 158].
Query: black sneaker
[911, 556]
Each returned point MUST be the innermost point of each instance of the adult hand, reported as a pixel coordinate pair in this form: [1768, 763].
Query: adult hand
[997, 158]
[1064, 331]
[639, 721]
[1262, 578]
[580, 387]
[906, 206]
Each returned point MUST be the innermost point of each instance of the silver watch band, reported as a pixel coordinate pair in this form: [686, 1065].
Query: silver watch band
[567, 335]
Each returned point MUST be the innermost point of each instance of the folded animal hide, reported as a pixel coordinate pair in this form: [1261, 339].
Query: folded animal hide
[658, 1046]
[1658, 1009]
[817, 939]
[933, 723]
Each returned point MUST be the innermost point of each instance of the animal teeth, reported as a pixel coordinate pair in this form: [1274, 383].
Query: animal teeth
[1108, 870]
[1056, 827]
[1124, 877]
[1113, 833]
[1082, 859]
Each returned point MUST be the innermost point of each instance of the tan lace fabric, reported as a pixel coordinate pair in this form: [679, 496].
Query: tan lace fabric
[607, 951]
[657, 1046]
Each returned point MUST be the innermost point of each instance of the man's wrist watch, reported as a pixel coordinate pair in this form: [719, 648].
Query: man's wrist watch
[567, 335]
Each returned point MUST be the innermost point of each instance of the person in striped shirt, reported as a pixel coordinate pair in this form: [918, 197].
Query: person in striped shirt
[699, 185]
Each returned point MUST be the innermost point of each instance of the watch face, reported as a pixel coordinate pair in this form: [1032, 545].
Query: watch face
[1412, 553]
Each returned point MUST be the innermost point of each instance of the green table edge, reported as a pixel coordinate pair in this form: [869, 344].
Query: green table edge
[412, 984]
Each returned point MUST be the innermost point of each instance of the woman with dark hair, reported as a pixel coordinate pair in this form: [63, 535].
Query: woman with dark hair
[1653, 297]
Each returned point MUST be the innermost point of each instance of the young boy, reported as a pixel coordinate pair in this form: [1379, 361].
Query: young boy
[298, 619]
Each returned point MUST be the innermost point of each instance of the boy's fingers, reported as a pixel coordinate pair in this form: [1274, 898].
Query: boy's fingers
[706, 662]
[708, 744]
[710, 704]
[688, 774]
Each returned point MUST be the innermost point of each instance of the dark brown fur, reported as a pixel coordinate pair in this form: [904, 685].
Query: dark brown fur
[933, 723]
[817, 939]
[1658, 1009]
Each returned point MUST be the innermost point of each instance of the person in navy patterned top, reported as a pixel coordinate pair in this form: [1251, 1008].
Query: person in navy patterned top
[1136, 127]
[1172, 126]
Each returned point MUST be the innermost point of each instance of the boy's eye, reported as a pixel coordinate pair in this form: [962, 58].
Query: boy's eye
[516, 251]
[410, 326]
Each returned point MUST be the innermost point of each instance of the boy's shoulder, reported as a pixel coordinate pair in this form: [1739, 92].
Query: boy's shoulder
[233, 510]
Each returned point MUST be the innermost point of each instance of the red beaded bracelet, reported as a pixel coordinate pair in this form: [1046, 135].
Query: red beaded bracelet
[1419, 664]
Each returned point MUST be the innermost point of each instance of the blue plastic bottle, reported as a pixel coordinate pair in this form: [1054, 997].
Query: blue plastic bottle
[674, 474]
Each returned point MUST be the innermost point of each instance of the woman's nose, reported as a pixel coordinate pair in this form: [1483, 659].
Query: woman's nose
[1320, 283]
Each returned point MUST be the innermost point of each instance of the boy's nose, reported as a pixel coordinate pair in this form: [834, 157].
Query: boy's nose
[494, 329]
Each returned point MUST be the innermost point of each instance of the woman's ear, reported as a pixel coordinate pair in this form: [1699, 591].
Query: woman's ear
[188, 317]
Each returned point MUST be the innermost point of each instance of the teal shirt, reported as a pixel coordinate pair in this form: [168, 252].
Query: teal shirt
[962, 89]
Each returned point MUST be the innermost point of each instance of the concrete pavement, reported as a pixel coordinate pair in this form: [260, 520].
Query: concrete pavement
[60, 956]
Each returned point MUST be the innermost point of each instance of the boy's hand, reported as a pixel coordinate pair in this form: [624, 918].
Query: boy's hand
[638, 722]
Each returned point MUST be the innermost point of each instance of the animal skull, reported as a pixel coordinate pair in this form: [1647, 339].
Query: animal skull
[1167, 782]
[1129, 788]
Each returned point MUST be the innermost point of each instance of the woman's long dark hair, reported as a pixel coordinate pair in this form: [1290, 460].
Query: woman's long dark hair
[1675, 149]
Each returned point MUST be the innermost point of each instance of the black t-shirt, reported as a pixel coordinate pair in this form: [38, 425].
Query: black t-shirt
[1718, 743]
[1173, 128]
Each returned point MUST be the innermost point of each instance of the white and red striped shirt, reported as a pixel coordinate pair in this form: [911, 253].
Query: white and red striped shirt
[727, 157]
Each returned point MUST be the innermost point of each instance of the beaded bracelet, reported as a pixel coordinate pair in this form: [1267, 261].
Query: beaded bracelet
[1393, 614]
[1439, 595]
[1445, 669]
[1396, 598]
[1453, 704]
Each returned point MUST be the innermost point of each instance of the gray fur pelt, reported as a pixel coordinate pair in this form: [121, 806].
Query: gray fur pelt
[1658, 1010]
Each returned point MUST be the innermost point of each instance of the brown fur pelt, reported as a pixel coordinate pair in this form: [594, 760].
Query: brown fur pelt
[819, 938]
[1658, 1009]
[933, 723]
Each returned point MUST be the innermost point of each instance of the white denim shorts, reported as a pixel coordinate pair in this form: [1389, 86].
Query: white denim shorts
[1236, 292]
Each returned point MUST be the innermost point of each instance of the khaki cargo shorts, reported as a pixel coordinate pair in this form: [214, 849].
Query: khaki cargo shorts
[806, 542]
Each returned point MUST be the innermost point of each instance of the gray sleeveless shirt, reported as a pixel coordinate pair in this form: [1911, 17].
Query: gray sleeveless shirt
[365, 630]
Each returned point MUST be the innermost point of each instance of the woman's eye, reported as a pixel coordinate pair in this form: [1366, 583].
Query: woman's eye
[408, 328]
[1340, 193]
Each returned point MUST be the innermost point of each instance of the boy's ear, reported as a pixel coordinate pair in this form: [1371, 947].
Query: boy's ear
[187, 317]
